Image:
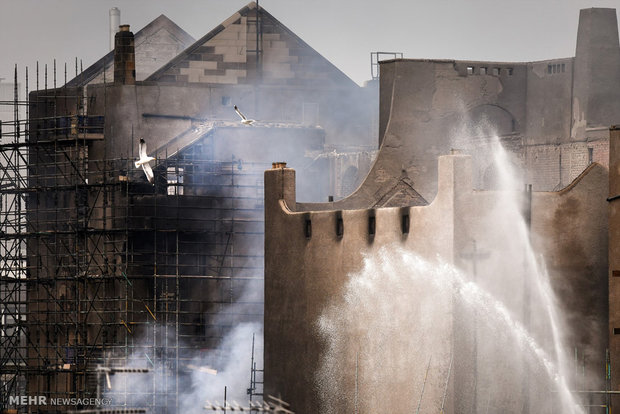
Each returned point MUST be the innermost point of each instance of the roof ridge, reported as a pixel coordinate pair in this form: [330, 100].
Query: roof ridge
[93, 70]
[227, 22]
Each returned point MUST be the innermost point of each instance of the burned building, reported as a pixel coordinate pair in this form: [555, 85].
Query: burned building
[104, 270]
[458, 276]
[552, 115]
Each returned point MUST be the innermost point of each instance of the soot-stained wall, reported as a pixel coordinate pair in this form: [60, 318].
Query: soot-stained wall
[312, 252]
[554, 113]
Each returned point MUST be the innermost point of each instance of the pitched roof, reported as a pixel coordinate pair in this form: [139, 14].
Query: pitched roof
[228, 55]
[142, 39]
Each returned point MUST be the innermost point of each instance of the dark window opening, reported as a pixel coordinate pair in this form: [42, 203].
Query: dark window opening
[339, 227]
[549, 69]
[372, 225]
[563, 67]
[615, 273]
[483, 71]
[496, 71]
[470, 70]
[509, 71]
[590, 155]
[308, 229]
[404, 223]
[616, 331]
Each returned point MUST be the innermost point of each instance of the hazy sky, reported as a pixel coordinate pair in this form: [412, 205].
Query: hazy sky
[344, 31]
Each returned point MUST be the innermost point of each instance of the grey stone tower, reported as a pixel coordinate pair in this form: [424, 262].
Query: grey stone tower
[597, 69]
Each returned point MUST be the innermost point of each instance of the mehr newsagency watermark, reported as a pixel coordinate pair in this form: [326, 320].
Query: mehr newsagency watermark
[41, 400]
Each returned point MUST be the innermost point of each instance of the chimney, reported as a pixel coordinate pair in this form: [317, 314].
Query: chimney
[115, 21]
[124, 57]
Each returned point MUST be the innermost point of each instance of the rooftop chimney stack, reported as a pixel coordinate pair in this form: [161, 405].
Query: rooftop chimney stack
[124, 57]
[115, 21]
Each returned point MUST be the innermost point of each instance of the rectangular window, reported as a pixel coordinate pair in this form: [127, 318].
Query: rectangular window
[483, 70]
[563, 67]
[616, 331]
[372, 225]
[308, 228]
[339, 227]
[470, 70]
[174, 178]
[496, 71]
[549, 69]
[615, 273]
[404, 223]
[590, 155]
[509, 70]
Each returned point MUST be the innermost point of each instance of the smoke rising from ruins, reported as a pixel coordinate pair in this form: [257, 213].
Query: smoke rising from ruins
[206, 375]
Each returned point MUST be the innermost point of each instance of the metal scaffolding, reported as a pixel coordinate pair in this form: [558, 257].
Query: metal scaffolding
[98, 266]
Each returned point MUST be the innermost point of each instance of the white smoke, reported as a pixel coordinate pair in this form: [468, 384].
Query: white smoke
[204, 376]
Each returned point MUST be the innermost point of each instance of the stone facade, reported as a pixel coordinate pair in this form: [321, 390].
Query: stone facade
[552, 117]
[311, 253]
[551, 114]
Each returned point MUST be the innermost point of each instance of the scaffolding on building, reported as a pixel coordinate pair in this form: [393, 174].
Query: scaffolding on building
[99, 268]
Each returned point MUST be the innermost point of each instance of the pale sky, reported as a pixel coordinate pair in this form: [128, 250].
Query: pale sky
[344, 31]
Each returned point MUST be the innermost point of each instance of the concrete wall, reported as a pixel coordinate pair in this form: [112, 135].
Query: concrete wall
[570, 228]
[304, 274]
[430, 107]
[548, 101]
[614, 259]
[556, 108]
[596, 97]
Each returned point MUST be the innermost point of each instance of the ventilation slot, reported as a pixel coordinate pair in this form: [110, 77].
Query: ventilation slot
[339, 227]
[404, 223]
[372, 225]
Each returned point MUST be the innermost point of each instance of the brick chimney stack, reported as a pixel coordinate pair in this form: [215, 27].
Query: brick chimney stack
[124, 57]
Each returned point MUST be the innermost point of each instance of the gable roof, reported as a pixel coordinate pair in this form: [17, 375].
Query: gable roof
[228, 55]
[142, 39]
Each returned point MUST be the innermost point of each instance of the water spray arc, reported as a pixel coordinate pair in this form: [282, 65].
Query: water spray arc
[496, 282]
